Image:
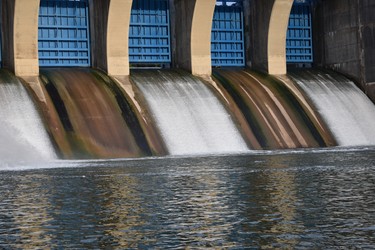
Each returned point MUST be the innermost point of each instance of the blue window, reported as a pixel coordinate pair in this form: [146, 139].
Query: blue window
[149, 34]
[299, 36]
[63, 33]
[227, 37]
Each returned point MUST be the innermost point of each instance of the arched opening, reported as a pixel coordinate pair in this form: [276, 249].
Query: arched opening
[299, 45]
[149, 34]
[63, 33]
[227, 37]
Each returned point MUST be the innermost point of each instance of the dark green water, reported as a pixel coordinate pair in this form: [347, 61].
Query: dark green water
[304, 199]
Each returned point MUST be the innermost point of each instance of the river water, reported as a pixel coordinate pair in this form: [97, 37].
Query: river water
[304, 199]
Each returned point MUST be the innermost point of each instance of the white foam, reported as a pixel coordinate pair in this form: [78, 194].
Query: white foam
[346, 109]
[190, 117]
[22, 134]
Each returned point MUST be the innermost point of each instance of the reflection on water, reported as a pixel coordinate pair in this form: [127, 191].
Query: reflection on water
[302, 199]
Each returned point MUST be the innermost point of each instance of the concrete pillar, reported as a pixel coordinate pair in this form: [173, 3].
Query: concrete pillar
[268, 34]
[367, 29]
[276, 46]
[98, 16]
[201, 37]
[25, 38]
[192, 20]
[248, 39]
[117, 37]
[7, 34]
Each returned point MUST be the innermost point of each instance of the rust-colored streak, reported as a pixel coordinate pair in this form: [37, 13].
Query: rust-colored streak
[97, 126]
[152, 134]
[272, 111]
[314, 116]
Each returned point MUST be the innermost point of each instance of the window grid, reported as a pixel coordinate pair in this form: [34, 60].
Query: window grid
[63, 33]
[299, 35]
[149, 34]
[227, 37]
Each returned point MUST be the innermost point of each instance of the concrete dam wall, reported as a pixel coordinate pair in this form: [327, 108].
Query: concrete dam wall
[151, 78]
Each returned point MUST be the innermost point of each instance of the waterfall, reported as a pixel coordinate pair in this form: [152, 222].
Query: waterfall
[22, 134]
[96, 115]
[190, 117]
[276, 116]
[345, 108]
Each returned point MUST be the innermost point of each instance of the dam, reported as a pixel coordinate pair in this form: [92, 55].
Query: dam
[187, 124]
[100, 75]
[151, 78]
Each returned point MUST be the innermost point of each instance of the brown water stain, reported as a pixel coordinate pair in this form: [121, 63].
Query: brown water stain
[91, 115]
[274, 114]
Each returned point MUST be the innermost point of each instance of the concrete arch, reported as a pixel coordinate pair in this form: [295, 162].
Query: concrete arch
[201, 37]
[117, 37]
[25, 37]
[276, 44]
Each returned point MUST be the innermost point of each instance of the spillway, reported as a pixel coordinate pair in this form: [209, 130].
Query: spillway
[190, 117]
[22, 135]
[345, 108]
[97, 119]
[275, 115]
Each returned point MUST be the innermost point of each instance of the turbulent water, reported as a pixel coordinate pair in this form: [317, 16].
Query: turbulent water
[95, 114]
[304, 199]
[23, 136]
[190, 117]
[280, 199]
[276, 117]
[348, 112]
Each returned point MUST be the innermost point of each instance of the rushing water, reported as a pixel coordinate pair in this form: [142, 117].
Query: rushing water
[190, 117]
[309, 199]
[348, 112]
[22, 133]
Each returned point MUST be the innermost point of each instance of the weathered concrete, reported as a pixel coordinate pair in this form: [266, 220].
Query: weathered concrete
[117, 37]
[345, 39]
[181, 20]
[248, 32]
[367, 19]
[259, 22]
[277, 36]
[98, 16]
[201, 37]
[271, 16]
[337, 36]
[24, 61]
[192, 35]
[7, 34]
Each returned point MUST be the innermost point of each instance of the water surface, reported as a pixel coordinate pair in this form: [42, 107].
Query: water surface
[271, 199]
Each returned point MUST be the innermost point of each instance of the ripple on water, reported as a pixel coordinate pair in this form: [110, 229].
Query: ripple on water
[297, 200]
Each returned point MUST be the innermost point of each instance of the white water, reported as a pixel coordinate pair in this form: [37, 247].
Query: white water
[191, 119]
[346, 109]
[22, 134]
